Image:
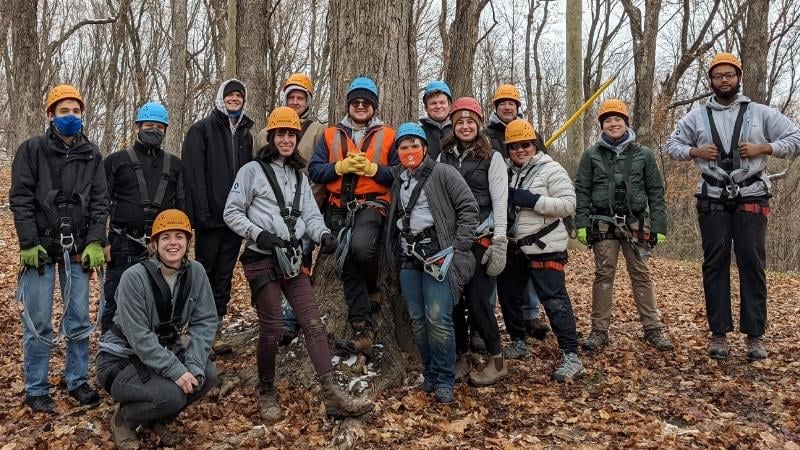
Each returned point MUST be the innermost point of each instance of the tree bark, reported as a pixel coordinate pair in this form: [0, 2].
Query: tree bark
[230, 40]
[176, 89]
[575, 144]
[252, 17]
[754, 55]
[25, 86]
[461, 46]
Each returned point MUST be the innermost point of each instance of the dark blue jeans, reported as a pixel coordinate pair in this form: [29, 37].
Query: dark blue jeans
[430, 305]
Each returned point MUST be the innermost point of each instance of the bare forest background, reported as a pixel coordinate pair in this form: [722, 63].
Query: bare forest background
[122, 53]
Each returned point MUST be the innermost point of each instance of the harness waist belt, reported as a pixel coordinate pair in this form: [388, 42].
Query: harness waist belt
[755, 178]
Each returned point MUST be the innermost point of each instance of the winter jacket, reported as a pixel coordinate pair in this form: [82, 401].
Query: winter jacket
[123, 185]
[547, 178]
[436, 133]
[644, 186]
[46, 172]
[137, 317]
[487, 178]
[213, 152]
[313, 133]
[496, 131]
[762, 125]
[252, 207]
[455, 216]
[322, 169]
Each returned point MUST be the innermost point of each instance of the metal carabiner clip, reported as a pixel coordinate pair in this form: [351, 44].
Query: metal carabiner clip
[619, 220]
[732, 189]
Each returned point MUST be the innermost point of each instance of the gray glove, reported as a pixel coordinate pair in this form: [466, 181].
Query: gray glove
[495, 256]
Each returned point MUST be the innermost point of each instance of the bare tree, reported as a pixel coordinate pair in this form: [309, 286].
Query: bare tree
[575, 144]
[461, 43]
[176, 90]
[754, 58]
[24, 88]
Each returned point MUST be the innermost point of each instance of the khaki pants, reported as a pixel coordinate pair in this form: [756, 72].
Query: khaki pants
[606, 253]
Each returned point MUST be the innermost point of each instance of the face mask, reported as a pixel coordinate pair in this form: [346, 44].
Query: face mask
[412, 157]
[236, 113]
[151, 137]
[68, 125]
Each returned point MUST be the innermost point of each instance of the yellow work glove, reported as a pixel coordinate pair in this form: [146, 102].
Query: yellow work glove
[581, 236]
[348, 165]
[370, 169]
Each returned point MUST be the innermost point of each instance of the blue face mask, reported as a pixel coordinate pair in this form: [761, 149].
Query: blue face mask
[68, 125]
[234, 113]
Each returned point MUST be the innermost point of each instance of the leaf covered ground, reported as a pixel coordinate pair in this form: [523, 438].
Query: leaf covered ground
[631, 395]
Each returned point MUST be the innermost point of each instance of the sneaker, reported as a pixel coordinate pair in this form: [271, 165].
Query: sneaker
[494, 371]
[426, 386]
[85, 395]
[444, 395]
[41, 403]
[569, 368]
[537, 328]
[718, 347]
[595, 341]
[755, 348]
[463, 365]
[657, 339]
[517, 350]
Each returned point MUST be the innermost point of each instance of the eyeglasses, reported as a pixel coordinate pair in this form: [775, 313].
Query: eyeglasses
[519, 146]
[726, 75]
[359, 103]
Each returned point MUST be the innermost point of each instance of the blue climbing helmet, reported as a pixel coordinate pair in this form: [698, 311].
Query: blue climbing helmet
[437, 86]
[409, 129]
[363, 83]
[153, 112]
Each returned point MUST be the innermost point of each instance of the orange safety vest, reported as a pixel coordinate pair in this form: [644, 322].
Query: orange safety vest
[379, 142]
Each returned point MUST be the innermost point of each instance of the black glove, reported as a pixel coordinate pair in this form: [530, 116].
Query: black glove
[328, 243]
[523, 197]
[267, 241]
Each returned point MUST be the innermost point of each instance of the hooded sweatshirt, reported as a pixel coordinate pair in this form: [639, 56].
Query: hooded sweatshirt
[761, 125]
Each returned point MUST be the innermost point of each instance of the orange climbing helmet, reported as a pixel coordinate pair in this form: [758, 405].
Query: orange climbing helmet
[171, 220]
[62, 92]
[519, 130]
[284, 117]
[506, 92]
[299, 79]
[613, 106]
[725, 58]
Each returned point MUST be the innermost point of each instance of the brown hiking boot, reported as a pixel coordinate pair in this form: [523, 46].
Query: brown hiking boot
[657, 339]
[718, 347]
[596, 340]
[268, 402]
[494, 371]
[755, 348]
[463, 365]
[537, 328]
[220, 346]
[361, 342]
[338, 403]
[123, 435]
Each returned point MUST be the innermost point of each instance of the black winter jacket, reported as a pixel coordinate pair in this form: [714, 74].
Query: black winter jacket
[123, 185]
[436, 135]
[72, 175]
[212, 155]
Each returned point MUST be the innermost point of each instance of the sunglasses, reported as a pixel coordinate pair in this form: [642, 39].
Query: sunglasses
[519, 146]
[358, 103]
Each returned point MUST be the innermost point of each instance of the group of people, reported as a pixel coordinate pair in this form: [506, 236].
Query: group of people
[468, 211]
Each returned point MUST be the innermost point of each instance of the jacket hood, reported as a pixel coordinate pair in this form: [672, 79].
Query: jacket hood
[374, 122]
[309, 98]
[219, 104]
[713, 104]
[538, 158]
[433, 123]
[619, 147]
[496, 122]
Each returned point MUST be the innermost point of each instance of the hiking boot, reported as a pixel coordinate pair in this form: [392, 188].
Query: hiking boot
[268, 402]
[426, 386]
[718, 347]
[220, 346]
[338, 403]
[41, 403]
[85, 395]
[537, 328]
[494, 371]
[596, 340]
[657, 339]
[124, 436]
[476, 344]
[444, 395]
[755, 348]
[463, 365]
[289, 334]
[361, 342]
[569, 368]
[517, 350]
[166, 438]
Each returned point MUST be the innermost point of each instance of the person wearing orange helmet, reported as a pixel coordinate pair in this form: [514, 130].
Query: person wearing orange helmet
[507, 107]
[486, 174]
[271, 206]
[730, 139]
[59, 200]
[148, 365]
[620, 207]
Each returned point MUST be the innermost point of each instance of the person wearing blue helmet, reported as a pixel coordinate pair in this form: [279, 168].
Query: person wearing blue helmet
[436, 121]
[143, 180]
[434, 214]
[353, 162]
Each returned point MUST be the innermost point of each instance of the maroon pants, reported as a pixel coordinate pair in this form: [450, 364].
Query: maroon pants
[300, 295]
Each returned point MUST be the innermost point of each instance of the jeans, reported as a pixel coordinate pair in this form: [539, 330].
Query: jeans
[36, 294]
[430, 305]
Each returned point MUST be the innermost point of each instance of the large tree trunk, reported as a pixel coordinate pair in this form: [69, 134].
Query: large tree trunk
[176, 89]
[754, 55]
[230, 39]
[462, 43]
[252, 17]
[575, 145]
[24, 89]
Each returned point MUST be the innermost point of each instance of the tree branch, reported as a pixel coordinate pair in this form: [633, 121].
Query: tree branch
[494, 24]
[57, 43]
[691, 100]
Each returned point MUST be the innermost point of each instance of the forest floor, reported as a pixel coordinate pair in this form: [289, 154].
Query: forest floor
[631, 395]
